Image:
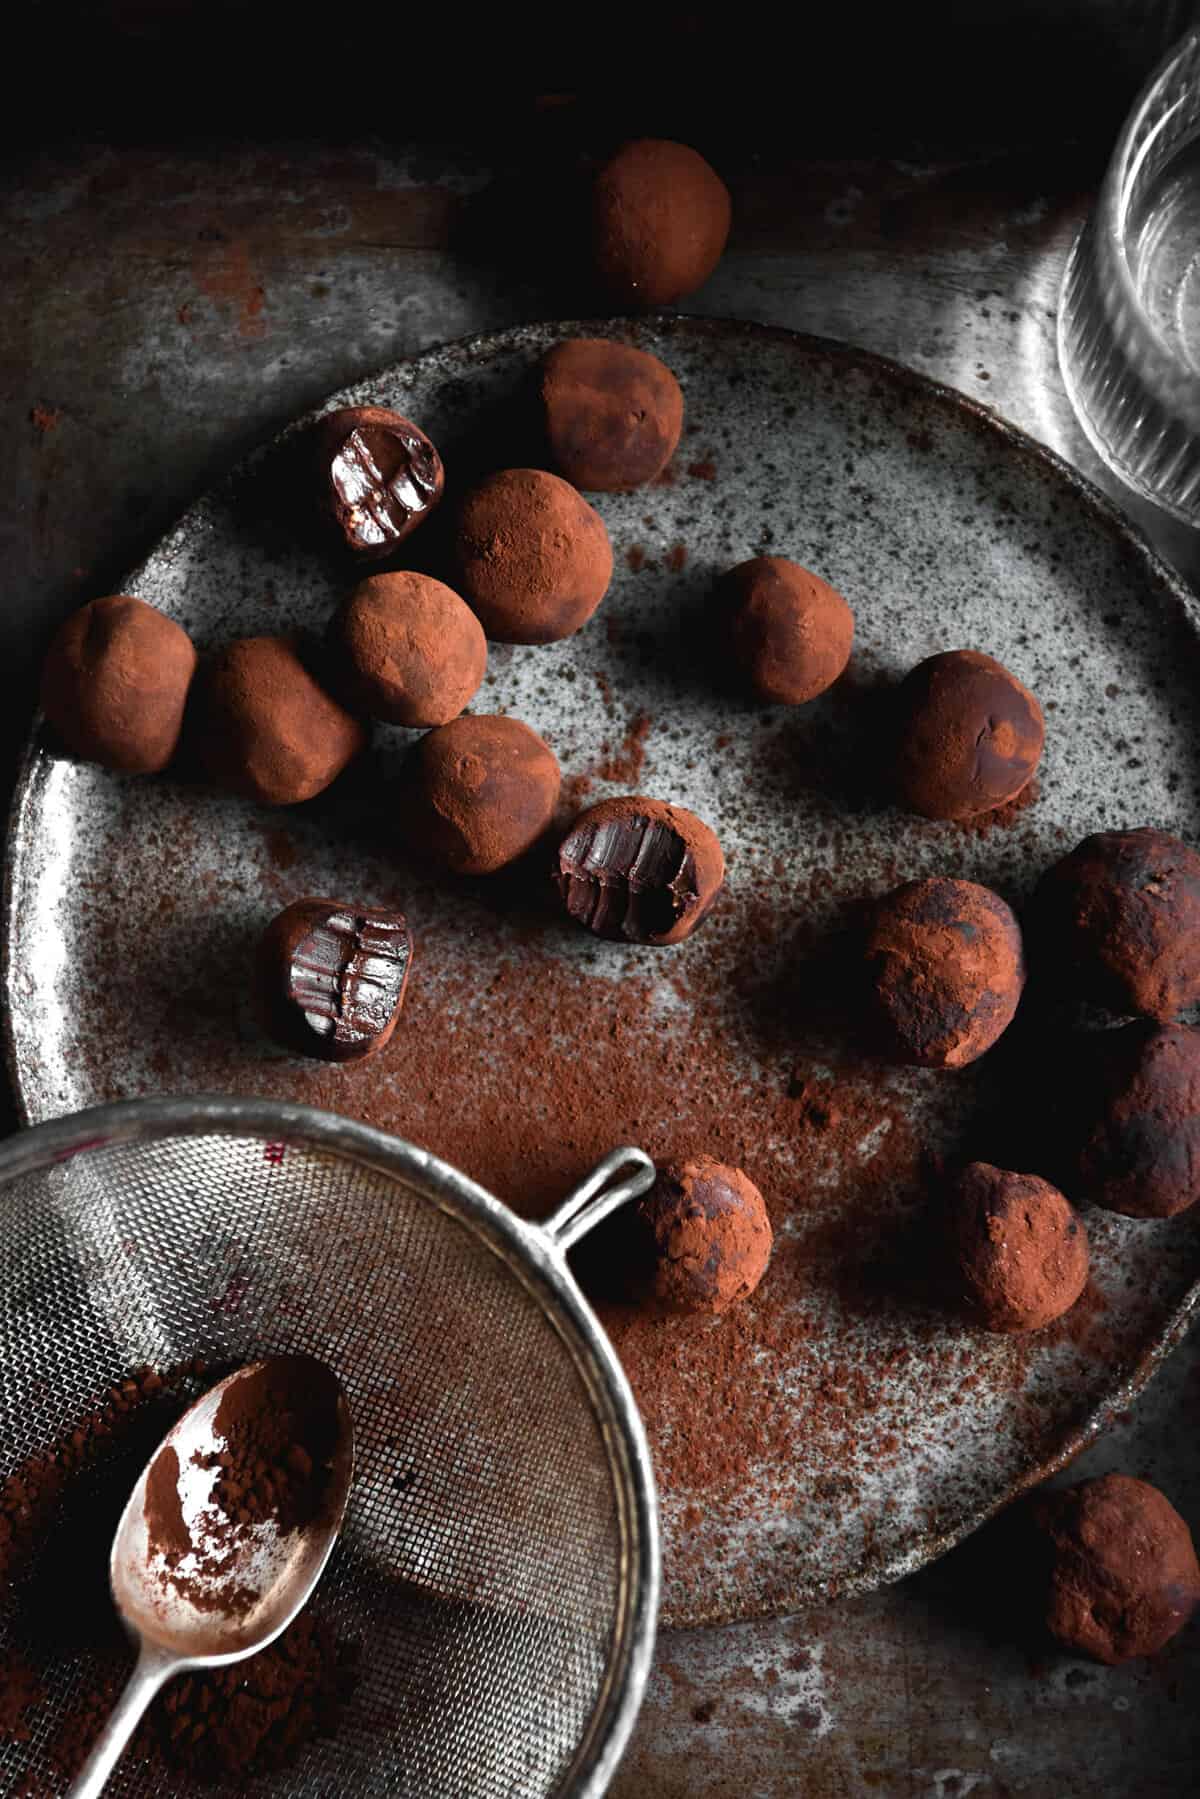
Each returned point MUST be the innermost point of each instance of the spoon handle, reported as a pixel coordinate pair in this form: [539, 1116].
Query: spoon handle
[154, 1666]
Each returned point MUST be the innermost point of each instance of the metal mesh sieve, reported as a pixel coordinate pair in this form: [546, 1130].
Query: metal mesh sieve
[499, 1564]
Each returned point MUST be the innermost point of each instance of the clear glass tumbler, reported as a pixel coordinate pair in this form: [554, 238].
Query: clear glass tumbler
[1129, 311]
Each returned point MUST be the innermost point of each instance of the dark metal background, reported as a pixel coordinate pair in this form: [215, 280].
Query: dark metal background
[164, 305]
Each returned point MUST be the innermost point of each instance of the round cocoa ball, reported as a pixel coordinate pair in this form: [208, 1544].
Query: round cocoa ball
[479, 792]
[1019, 1250]
[1141, 1143]
[1120, 919]
[660, 219]
[969, 736]
[945, 971]
[789, 631]
[265, 729]
[379, 477]
[533, 558]
[331, 977]
[412, 652]
[710, 1236]
[1123, 1575]
[115, 683]
[612, 414]
[639, 869]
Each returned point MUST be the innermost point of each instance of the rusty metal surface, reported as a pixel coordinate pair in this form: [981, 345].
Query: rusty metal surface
[168, 309]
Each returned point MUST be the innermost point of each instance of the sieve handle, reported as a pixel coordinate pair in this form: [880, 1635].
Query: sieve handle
[620, 1176]
[154, 1666]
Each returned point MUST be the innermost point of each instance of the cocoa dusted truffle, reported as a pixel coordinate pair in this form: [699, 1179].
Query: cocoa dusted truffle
[660, 219]
[379, 477]
[612, 414]
[969, 736]
[1019, 1250]
[411, 652]
[115, 683]
[639, 869]
[1120, 919]
[945, 971]
[332, 977]
[789, 631]
[1141, 1144]
[478, 793]
[1122, 1569]
[265, 729]
[533, 558]
[709, 1236]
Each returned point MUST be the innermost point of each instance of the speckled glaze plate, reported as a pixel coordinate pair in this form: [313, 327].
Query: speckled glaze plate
[840, 1429]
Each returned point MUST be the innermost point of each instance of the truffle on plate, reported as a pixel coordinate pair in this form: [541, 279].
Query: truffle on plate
[411, 651]
[709, 1236]
[969, 736]
[1140, 1150]
[789, 631]
[533, 558]
[612, 414]
[945, 969]
[1123, 1576]
[379, 477]
[115, 683]
[1119, 918]
[639, 869]
[1018, 1249]
[265, 729]
[331, 977]
[478, 793]
[660, 220]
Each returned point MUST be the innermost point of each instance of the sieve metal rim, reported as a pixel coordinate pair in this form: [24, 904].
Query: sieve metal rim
[535, 1254]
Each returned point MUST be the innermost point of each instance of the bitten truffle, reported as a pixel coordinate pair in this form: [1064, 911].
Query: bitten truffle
[265, 729]
[1119, 918]
[639, 869]
[1141, 1144]
[533, 558]
[660, 220]
[115, 683]
[1122, 1570]
[1018, 1249]
[612, 414]
[478, 793]
[969, 736]
[945, 970]
[789, 631]
[331, 978]
[379, 477]
[410, 651]
[709, 1236]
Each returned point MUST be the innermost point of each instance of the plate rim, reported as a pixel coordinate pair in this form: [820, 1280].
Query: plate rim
[37, 759]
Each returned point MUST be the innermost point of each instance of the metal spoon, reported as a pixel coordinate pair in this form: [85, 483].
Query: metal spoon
[274, 1573]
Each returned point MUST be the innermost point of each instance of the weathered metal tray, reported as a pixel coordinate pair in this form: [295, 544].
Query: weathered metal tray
[839, 1430]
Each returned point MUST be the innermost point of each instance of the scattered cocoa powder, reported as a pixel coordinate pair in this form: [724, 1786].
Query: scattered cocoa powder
[703, 470]
[625, 764]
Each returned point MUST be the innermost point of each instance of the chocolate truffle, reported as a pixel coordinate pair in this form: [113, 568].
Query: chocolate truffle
[1141, 1143]
[533, 558]
[945, 970]
[115, 683]
[789, 631]
[332, 977]
[1123, 1575]
[660, 218]
[411, 652]
[478, 793]
[639, 869]
[969, 736]
[379, 477]
[709, 1236]
[1019, 1251]
[1119, 918]
[265, 729]
[612, 414]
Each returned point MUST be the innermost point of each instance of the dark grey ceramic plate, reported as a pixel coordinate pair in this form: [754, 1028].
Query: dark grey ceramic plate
[838, 1431]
